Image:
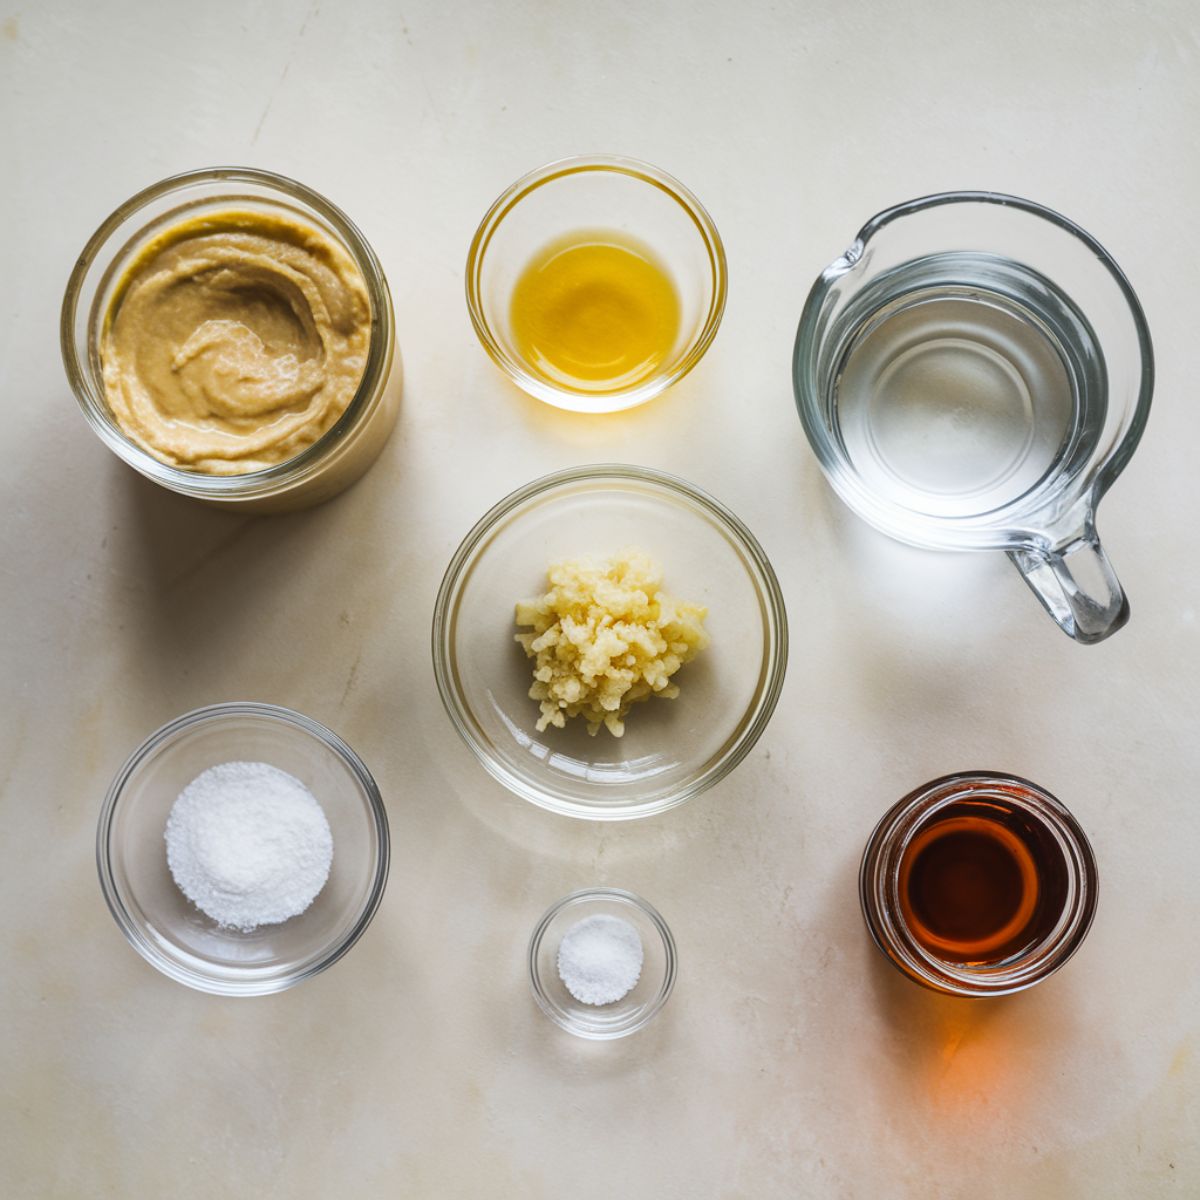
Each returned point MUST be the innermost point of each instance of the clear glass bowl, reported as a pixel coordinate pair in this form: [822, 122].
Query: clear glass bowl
[600, 192]
[672, 749]
[602, 1022]
[164, 926]
[330, 464]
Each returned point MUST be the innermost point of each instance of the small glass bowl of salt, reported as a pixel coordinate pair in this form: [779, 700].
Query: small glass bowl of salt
[602, 962]
[242, 754]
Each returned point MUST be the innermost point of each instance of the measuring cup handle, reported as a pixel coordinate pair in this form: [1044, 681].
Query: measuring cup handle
[1077, 585]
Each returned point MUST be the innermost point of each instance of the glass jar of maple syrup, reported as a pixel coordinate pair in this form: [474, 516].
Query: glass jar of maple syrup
[978, 884]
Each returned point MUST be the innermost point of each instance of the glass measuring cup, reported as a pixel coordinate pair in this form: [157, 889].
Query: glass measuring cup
[973, 373]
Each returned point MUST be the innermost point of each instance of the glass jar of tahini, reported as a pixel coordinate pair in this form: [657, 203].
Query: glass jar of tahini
[343, 446]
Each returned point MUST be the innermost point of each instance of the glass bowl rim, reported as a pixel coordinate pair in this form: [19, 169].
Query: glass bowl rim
[376, 370]
[991, 530]
[132, 929]
[620, 399]
[766, 583]
[618, 895]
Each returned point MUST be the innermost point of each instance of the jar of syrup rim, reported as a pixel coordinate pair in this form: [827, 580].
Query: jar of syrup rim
[1067, 860]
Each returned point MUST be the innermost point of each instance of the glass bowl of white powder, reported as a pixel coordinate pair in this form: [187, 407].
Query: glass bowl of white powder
[602, 962]
[325, 865]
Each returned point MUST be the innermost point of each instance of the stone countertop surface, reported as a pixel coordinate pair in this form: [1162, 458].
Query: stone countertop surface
[791, 1060]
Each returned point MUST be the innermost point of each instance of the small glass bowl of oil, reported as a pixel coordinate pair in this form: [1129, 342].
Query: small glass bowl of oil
[595, 283]
[978, 884]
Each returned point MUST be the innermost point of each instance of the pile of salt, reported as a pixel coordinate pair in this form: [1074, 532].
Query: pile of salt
[600, 959]
[248, 845]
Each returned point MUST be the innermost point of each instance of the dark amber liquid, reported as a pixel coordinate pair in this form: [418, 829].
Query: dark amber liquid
[981, 882]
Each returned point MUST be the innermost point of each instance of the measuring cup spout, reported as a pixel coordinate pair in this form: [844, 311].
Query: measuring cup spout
[1075, 582]
[846, 263]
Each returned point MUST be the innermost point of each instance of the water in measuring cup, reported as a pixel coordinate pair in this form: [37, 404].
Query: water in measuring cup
[967, 381]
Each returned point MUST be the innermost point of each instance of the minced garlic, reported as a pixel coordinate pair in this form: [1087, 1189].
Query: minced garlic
[605, 636]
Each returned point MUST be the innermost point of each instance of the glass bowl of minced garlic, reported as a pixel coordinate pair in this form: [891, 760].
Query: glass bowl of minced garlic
[609, 641]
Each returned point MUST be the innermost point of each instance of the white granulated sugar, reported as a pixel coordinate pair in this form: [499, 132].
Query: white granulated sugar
[248, 844]
[600, 959]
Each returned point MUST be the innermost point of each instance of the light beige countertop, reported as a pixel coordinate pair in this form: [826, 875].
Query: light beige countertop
[791, 1061]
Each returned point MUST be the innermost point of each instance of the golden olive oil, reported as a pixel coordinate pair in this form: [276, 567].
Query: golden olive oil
[595, 311]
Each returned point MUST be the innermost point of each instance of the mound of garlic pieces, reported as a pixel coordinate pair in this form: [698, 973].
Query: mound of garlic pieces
[604, 636]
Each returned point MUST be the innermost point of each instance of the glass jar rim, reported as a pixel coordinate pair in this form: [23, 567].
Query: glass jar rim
[878, 885]
[251, 484]
[621, 165]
